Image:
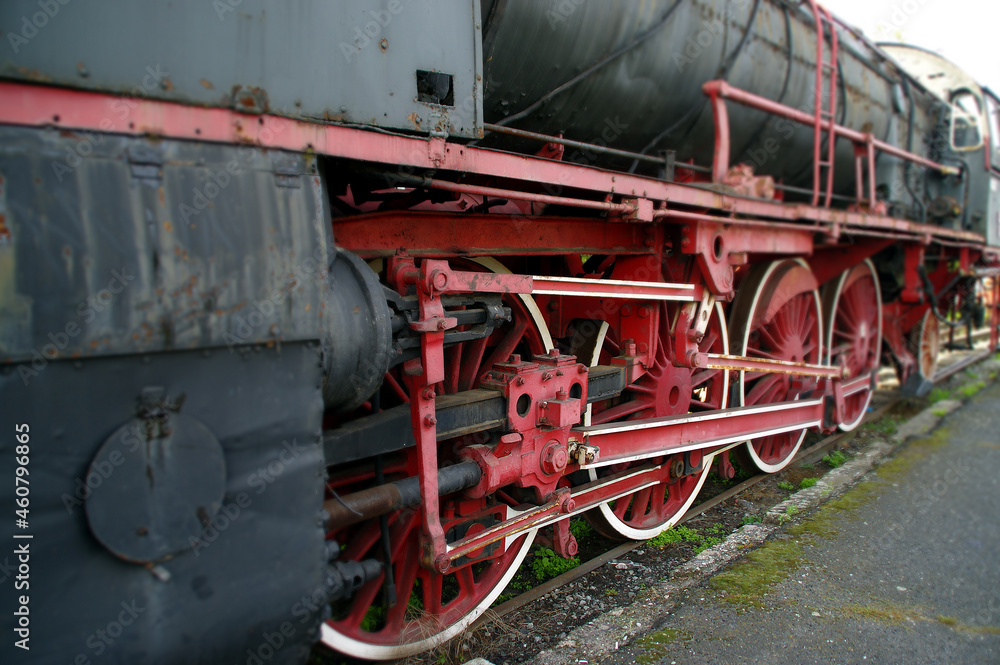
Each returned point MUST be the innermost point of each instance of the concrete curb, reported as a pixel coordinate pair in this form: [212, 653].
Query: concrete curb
[651, 608]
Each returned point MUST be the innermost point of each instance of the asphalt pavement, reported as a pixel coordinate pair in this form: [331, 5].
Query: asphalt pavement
[903, 568]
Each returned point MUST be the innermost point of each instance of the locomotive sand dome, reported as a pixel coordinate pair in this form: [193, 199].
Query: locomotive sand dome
[311, 321]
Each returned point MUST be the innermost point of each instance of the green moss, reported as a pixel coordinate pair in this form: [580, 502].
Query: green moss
[807, 482]
[960, 627]
[917, 450]
[653, 648]
[896, 468]
[822, 523]
[749, 581]
[785, 485]
[860, 495]
[884, 613]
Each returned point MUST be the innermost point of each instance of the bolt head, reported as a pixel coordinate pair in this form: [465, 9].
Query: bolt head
[439, 279]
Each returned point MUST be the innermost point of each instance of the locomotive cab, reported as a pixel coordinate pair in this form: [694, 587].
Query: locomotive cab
[966, 139]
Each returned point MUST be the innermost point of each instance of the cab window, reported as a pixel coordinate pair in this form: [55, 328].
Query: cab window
[993, 118]
[966, 121]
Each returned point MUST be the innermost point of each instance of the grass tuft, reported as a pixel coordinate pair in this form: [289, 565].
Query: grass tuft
[547, 564]
[834, 459]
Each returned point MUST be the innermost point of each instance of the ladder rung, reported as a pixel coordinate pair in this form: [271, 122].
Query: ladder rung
[828, 65]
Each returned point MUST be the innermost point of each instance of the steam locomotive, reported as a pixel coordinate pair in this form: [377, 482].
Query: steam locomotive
[315, 315]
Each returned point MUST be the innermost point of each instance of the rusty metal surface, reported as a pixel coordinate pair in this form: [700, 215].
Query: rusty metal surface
[130, 245]
[353, 62]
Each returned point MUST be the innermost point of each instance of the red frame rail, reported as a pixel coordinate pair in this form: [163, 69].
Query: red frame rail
[44, 106]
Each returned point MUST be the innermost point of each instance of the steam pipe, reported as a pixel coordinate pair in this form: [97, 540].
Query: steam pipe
[347, 510]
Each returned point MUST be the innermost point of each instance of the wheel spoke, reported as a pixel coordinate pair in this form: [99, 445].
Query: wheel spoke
[469, 374]
[772, 341]
[393, 384]
[853, 316]
[704, 376]
[433, 595]
[507, 345]
[664, 390]
[619, 411]
[453, 367]
[791, 335]
[757, 352]
[406, 577]
[764, 387]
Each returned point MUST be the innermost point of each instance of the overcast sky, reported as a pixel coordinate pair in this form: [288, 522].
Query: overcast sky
[967, 32]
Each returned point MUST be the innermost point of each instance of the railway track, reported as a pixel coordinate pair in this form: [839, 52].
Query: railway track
[805, 456]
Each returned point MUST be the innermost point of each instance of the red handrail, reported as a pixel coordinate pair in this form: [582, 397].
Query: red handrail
[865, 143]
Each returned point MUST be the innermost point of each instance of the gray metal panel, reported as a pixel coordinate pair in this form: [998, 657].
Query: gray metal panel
[139, 246]
[351, 62]
[238, 581]
[993, 212]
